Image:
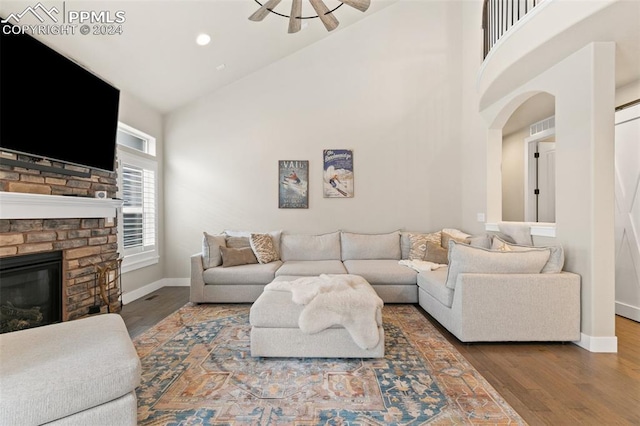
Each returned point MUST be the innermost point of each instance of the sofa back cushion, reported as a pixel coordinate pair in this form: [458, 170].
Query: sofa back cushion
[367, 246]
[553, 265]
[464, 258]
[310, 247]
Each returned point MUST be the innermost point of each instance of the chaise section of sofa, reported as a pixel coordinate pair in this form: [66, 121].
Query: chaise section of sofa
[495, 302]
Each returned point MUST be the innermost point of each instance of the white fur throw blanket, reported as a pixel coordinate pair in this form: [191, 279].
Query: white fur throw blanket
[421, 265]
[340, 299]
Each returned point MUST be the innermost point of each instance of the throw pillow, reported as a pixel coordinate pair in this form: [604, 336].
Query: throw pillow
[418, 244]
[211, 250]
[237, 257]
[520, 232]
[553, 265]
[463, 259]
[483, 241]
[452, 234]
[436, 253]
[263, 248]
[238, 242]
[274, 234]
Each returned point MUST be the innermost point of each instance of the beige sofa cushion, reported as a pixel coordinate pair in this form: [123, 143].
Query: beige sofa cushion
[244, 274]
[310, 247]
[433, 282]
[465, 258]
[370, 246]
[308, 268]
[556, 259]
[211, 250]
[376, 272]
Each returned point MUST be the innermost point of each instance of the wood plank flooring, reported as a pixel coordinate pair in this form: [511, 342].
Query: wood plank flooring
[144, 313]
[547, 384]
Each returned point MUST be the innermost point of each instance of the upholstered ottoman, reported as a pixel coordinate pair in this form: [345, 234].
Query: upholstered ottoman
[81, 372]
[275, 331]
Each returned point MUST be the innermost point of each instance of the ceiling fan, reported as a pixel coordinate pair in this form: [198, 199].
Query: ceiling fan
[295, 17]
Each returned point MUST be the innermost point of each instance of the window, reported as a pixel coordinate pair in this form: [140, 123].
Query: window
[137, 183]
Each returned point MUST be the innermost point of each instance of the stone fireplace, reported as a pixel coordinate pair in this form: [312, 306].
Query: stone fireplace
[48, 212]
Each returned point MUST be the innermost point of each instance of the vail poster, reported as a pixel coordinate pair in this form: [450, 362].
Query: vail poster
[293, 184]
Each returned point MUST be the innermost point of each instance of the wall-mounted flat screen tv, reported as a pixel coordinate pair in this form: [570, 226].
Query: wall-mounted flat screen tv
[51, 107]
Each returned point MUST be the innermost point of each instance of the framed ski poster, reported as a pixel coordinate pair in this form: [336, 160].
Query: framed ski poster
[338, 173]
[293, 184]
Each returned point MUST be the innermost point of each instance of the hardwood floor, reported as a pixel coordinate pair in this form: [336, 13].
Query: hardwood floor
[144, 313]
[547, 384]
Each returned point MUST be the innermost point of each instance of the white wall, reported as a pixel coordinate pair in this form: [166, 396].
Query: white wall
[142, 117]
[473, 134]
[387, 87]
[584, 87]
[513, 175]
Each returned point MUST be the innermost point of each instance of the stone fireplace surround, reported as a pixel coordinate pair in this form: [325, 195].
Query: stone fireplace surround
[36, 216]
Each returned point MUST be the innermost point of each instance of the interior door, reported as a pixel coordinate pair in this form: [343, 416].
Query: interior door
[627, 220]
[546, 182]
[540, 182]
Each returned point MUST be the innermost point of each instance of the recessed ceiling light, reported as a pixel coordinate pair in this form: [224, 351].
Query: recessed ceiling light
[221, 67]
[203, 39]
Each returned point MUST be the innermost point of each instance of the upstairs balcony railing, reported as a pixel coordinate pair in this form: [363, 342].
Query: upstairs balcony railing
[500, 15]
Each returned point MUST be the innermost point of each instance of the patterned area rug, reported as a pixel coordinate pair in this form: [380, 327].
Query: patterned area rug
[197, 369]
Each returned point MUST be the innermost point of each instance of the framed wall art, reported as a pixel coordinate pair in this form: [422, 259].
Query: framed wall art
[293, 184]
[338, 173]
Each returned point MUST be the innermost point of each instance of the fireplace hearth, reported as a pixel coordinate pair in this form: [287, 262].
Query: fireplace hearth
[30, 290]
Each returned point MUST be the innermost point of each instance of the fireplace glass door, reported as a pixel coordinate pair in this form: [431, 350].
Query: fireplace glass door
[30, 291]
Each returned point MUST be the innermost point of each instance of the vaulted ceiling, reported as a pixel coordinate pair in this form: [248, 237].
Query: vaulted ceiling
[156, 58]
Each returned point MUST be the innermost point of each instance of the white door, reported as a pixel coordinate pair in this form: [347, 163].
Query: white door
[627, 222]
[540, 182]
[547, 182]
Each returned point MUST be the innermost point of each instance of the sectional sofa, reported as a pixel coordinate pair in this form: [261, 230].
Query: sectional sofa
[374, 257]
[490, 291]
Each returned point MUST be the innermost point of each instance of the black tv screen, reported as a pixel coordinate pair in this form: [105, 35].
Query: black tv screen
[51, 107]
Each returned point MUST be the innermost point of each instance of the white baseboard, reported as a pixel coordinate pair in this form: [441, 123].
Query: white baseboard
[598, 344]
[138, 293]
[628, 311]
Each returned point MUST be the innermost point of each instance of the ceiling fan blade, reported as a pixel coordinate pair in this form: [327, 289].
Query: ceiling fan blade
[261, 13]
[330, 22]
[295, 23]
[361, 5]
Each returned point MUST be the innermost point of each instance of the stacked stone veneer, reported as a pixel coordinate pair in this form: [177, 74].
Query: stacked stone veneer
[84, 243]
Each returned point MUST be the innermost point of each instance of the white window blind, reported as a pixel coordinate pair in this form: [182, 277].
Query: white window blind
[138, 211]
[137, 175]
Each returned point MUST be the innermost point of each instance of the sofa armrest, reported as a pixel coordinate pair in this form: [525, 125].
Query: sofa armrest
[196, 293]
[518, 307]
